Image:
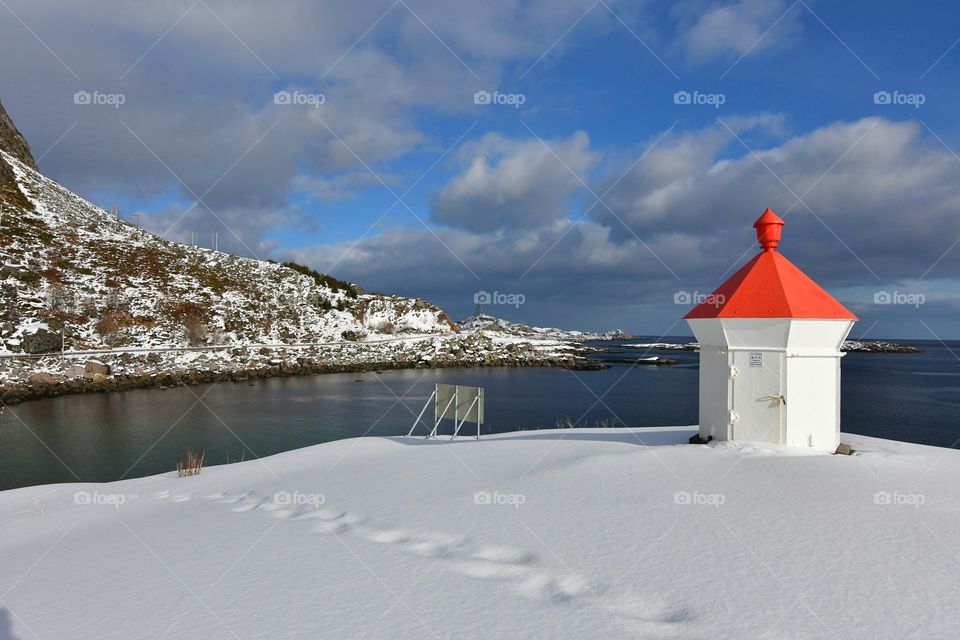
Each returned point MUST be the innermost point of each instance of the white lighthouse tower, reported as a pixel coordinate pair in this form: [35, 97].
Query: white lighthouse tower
[770, 341]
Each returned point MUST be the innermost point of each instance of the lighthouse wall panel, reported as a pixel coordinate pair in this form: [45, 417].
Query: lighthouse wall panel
[756, 333]
[757, 388]
[818, 336]
[714, 393]
[813, 402]
[797, 358]
[708, 331]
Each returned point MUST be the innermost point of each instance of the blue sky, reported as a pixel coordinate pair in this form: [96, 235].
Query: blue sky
[498, 197]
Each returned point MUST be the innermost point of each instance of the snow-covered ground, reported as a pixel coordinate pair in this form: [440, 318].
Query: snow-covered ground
[602, 533]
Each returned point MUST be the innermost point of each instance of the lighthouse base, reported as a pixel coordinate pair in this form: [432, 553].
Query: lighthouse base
[771, 380]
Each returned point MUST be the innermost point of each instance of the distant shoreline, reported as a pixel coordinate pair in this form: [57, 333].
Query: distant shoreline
[125, 370]
[42, 385]
[849, 346]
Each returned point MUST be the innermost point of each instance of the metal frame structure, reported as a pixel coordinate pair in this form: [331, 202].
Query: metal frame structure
[475, 407]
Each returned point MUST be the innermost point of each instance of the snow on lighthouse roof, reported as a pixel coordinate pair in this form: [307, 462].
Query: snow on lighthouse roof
[770, 286]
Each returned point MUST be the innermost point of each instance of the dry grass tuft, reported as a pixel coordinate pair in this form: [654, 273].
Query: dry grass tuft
[191, 464]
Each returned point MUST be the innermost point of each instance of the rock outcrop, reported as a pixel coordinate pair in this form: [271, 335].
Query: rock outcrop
[13, 142]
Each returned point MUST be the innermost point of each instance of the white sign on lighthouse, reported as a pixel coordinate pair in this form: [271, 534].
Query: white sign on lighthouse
[770, 341]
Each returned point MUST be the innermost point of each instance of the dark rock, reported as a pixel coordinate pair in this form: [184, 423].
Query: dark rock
[42, 341]
[13, 142]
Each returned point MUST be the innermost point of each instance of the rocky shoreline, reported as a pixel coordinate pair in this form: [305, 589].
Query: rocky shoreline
[52, 376]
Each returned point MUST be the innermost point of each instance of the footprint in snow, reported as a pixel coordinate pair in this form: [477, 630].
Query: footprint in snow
[243, 502]
[267, 505]
[485, 562]
[650, 615]
[333, 522]
[511, 565]
[334, 527]
[234, 498]
[287, 513]
[491, 570]
[175, 497]
[384, 536]
[504, 555]
[321, 514]
[554, 588]
[435, 545]
[425, 548]
[244, 507]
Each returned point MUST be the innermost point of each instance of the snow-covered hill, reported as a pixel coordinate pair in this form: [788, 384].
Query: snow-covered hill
[90, 302]
[70, 267]
[78, 279]
[582, 534]
[480, 321]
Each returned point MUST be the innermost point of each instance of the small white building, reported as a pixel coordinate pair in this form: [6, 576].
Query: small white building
[770, 341]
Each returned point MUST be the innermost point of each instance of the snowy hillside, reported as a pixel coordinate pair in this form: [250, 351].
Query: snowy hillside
[484, 322]
[126, 304]
[588, 534]
[90, 302]
[68, 265]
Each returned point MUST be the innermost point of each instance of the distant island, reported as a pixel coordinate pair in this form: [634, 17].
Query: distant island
[862, 346]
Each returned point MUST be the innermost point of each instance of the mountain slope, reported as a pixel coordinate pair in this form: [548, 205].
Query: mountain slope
[69, 266]
[13, 142]
[77, 279]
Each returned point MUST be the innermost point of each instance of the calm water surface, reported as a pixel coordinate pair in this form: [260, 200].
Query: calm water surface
[103, 437]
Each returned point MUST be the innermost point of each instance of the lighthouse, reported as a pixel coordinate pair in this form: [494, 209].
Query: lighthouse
[770, 341]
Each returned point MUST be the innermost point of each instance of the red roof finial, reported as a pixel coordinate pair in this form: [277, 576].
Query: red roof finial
[769, 226]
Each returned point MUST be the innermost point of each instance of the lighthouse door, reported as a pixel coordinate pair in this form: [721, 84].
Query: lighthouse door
[758, 402]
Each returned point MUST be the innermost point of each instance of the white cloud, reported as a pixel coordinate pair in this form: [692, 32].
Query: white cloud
[732, 29]
[514, 183]
[890, 202]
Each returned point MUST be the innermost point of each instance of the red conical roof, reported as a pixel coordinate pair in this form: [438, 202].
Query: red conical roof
[770, 286]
